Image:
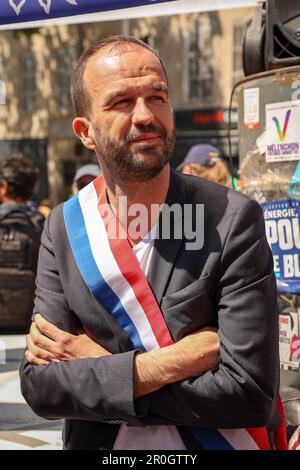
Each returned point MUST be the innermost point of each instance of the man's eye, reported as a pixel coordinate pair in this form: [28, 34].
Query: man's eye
[157, 98]
[122, 102]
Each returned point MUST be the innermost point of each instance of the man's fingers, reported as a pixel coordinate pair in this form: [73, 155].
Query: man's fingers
[47, 328]
[41, 341]
[34, 360]
[59, 348]
[38, 352]
[46, 338]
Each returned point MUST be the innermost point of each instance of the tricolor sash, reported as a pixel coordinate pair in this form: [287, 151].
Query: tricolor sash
[113, 275]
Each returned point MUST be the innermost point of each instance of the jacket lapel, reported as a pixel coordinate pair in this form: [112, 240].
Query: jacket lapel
[166, 250]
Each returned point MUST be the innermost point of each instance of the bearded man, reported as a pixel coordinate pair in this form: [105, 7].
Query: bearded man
[142, 339]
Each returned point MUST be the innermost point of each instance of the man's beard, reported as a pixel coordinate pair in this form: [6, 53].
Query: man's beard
[133, 165]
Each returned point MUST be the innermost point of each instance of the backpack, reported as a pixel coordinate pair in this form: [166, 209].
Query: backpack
[20, 233]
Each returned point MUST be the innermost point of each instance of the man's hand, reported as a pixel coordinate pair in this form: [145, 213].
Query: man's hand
[47, 343]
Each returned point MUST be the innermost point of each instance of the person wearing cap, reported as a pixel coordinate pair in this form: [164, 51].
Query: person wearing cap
[206, 161]
[85, 175]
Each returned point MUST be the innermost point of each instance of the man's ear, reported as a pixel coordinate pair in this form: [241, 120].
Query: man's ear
[82, 128]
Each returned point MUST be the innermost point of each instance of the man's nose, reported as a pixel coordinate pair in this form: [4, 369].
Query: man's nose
[141, 113]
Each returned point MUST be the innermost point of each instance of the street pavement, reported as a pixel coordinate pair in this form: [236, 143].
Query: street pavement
[20, 428]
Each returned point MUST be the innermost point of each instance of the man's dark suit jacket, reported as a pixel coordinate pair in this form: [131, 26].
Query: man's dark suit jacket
[229, 283]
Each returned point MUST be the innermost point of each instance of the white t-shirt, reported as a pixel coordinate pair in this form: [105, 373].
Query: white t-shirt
[148, 437]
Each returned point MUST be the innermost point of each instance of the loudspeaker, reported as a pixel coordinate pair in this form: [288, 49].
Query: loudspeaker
[272, 39]
[282, 33]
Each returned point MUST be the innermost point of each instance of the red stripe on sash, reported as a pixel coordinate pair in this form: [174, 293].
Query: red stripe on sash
[260, 436]
[131, 270]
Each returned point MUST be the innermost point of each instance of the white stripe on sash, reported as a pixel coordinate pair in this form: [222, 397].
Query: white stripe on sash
[240, 439]
[109, 268]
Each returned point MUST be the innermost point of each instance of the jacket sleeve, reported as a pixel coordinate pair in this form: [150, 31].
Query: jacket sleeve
[241, 392]
[90, 389]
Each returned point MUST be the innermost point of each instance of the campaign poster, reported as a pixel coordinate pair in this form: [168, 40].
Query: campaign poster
[282, 220]
[282, 129]
[251, 108]
[289, 340]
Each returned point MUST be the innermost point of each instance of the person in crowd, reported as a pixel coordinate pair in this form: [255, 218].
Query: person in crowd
[167, 341]
[206, 161]
[20, 231]
[84, 175]
[44, 207]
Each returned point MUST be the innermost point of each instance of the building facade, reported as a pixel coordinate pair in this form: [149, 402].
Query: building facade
[202, 54]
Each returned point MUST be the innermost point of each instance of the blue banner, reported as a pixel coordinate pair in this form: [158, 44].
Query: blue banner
[282, 219]
[20, 11]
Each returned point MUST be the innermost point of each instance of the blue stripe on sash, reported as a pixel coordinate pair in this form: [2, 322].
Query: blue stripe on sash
[211, 439]
[81, 248]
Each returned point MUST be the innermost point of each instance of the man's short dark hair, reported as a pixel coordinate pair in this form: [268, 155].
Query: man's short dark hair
[20, 174]
[80, 97]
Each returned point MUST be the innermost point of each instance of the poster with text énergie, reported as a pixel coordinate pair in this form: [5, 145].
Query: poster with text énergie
[282, 222]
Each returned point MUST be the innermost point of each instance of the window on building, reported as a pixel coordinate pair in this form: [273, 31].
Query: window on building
[69, 169]
[239, 31]
[64, 71]
[200, 55]
[29, 84]
[150, 39]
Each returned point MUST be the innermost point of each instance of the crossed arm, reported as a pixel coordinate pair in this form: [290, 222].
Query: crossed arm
[174, 385]
[190, 357]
